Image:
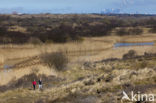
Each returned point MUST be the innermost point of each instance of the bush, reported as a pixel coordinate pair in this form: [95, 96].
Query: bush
[48, 41]
[130, 31]
[122, 32]
[130, 54]
[143, 64]
[152, 30]
[35, 41]
[55, 59]
[135, 31]
[3, 30]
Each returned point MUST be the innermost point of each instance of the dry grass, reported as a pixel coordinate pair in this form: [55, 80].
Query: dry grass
[77, 76]
[91, 49]
[17, 28]
[15, 74]
[101, 47]
[79, 87]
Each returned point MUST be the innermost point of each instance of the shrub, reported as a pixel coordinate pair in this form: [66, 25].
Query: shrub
[130, 31]
[130, 54]
[152, 30]
[135, 31]
[35, 41]
[55, 59]
[3, 30]
[143, 64]
[48, 41]
[109, 78]
[61, 38]
[122, 32]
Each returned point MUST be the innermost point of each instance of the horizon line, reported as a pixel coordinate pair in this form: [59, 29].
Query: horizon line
[77, 13]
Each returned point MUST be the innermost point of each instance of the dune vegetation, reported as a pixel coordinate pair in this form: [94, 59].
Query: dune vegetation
[80, 68]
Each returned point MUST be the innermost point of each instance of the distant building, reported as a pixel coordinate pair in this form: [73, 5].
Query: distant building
[14, 13]
[111, 11]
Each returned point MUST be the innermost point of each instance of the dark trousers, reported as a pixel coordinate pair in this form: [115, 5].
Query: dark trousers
[34, 86]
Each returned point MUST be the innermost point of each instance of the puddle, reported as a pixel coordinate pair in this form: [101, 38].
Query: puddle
[133, 44]
[7, 68]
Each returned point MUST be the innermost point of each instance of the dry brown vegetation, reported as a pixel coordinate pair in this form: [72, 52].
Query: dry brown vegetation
[88, 77]
[20, 29]
[96, 72]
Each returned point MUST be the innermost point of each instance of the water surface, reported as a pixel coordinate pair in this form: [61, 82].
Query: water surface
[133, 44]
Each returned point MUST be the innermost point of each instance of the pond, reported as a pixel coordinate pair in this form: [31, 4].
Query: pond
[7, 68]
[133, 44]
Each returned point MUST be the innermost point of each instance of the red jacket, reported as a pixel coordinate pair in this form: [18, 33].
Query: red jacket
[34, 82]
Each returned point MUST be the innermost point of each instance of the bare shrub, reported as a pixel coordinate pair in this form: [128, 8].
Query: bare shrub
[109, 78]
[56, 59]
[142, 64]
[152, 30]
[122, 32]
[135, 31]
[35, 70]
[130, 31]
[89, 82]
[130, 54]
[35, 41]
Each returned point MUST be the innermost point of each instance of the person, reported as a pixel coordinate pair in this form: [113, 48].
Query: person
[40, 84]
[34, 84]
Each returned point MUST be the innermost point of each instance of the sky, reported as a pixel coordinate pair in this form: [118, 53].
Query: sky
[78, 6]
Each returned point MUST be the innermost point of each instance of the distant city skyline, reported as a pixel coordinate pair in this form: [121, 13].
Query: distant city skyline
[78, 6]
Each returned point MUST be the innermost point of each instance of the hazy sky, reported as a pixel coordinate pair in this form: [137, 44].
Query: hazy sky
[78, 6]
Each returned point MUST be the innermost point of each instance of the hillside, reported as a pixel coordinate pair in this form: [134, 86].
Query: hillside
[93, 82]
